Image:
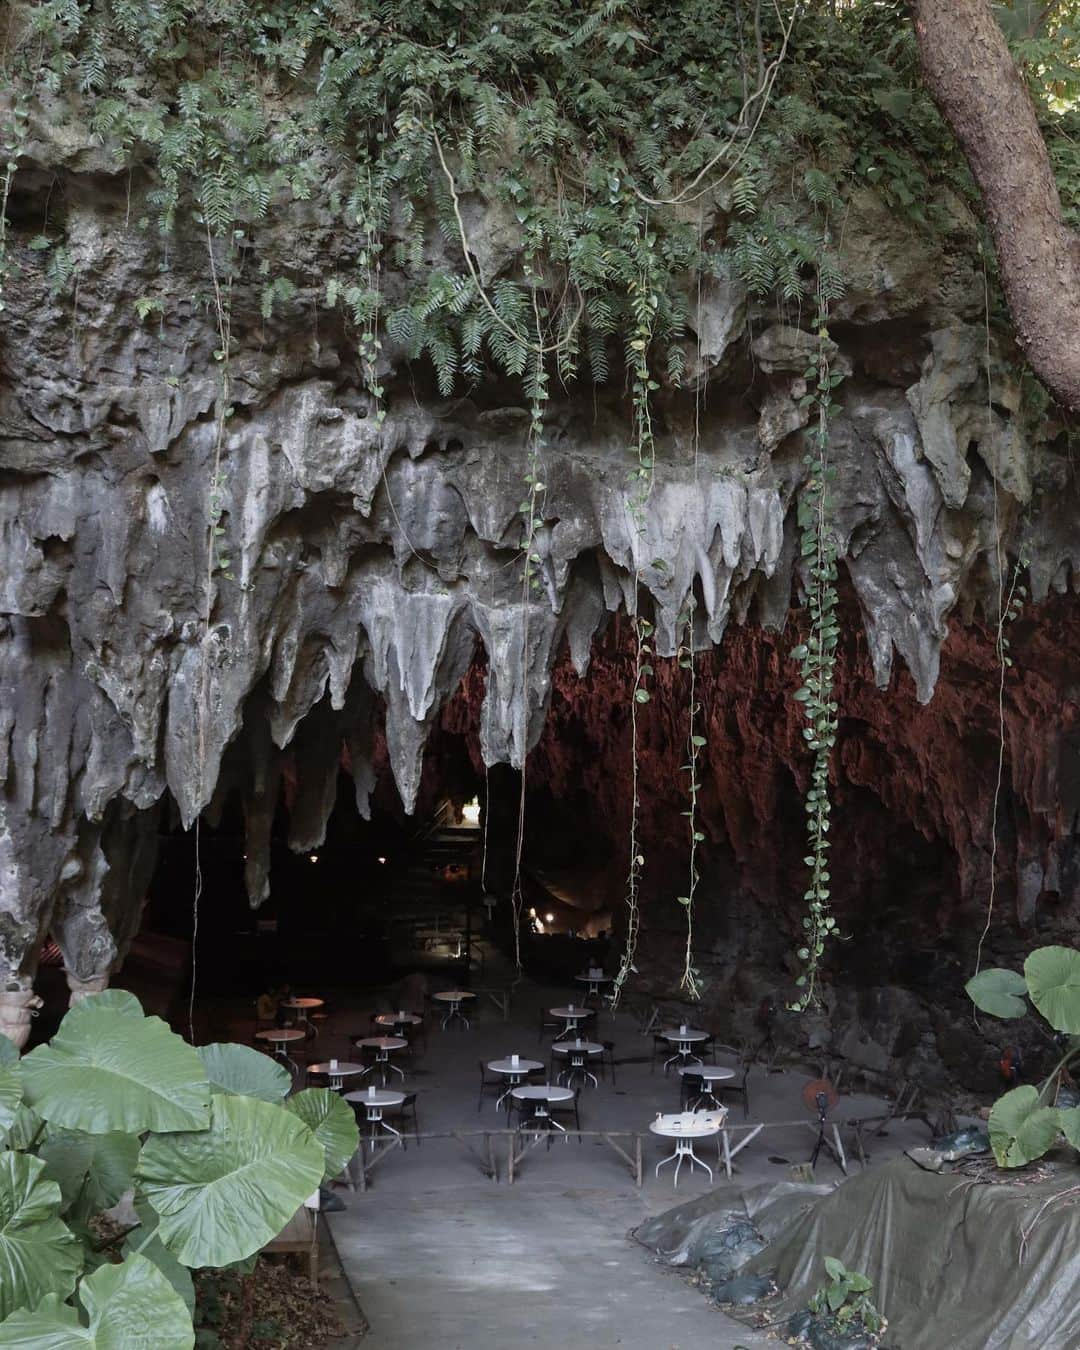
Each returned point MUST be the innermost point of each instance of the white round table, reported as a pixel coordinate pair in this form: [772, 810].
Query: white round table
[384, 1047]
[578, 1052]
[685, 1128]
[683, 1039]
[572, 1016]
[279, 1038]
[375, 1101]
[337, 1071]
[543, 1094]
[304, 1006]
[455, 998]
[515, 1074]
[594, 981]
[709, 1074]
[398, 1021]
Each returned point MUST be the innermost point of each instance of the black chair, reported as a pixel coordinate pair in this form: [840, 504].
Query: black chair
[691, 1086]
[660, 1046]
[407, 1109]
[564, 1108]
[608, 1058]
[739, 1086]
[485, 1083]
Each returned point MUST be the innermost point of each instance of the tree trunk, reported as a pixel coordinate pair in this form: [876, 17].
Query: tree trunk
[982, 95]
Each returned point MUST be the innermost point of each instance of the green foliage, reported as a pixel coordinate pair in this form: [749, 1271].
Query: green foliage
[1022, 1129]
[207, 1193]
[130, 1306]
[1024, 1123]
[846, 1300]
[817, 655]
[222, 1193]
[998, 992]
[331, 1122]
[105, 1070]
[244, 1072]
[1053, 981]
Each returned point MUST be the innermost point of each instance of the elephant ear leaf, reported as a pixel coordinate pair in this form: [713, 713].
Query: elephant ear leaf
[244, 1072]
[92, 1170]
[1053, 980]
[998, 992]
[223, 1193]
[331, 1122]
[39, 1255]
[130, 1306]
[1020, 1129]
[106, 1070]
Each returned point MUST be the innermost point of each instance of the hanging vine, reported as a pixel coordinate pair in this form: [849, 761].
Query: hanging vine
[691, 981]
[645, 302]
[817, 656]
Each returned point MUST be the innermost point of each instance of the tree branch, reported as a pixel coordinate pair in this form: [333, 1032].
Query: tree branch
[981, 93]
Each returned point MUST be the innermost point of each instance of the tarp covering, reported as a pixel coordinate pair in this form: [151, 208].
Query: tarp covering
[943, 1252]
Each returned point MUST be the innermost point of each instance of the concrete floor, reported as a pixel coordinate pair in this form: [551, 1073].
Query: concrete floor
[438, 1254]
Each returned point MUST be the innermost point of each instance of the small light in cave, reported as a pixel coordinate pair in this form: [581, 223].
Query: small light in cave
[380, 860]
[549, 918]
[313, 858]
[470, 812]
[532, 913]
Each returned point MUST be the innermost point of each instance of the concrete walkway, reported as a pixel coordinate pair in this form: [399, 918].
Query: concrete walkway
[439, 1255]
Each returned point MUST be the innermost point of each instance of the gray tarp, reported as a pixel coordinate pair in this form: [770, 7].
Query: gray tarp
[943, 1253]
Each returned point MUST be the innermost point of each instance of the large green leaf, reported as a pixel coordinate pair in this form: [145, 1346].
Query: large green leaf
[118, 1000]
[106, 1070]
[1069, 1118]
[1053, 981]
[244, 1072]
[223, 1193]
[1020, 1129]
[38, 1253]
[332, 1123]
[998, 992]
[92, 1170]
[130, 1306]
[11, 1093]
[145, 1241]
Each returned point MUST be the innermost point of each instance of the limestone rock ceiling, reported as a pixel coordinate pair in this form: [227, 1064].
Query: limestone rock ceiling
[377, 559]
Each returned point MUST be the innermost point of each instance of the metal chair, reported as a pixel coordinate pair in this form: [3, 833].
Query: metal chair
[608, 1058]
[485, 1083]
[407, 1108]
[739, 1086]
[549, 1023]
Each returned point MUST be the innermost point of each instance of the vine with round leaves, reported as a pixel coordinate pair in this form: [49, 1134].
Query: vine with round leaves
[644, 302]
[691, 982]
[817, 655]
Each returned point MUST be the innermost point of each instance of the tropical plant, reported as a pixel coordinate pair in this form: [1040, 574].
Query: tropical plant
[215, 1157]
[846, 1300]
[1025, 1123]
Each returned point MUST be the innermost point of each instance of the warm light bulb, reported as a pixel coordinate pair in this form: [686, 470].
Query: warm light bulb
[381, 860]
[314, 858]
[550, 918]
[532, 913]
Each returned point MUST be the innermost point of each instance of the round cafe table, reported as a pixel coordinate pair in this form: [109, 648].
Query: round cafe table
[578, 1052]
[544, 1095]
[384, 1047]
[303, 1007]
[279, 1038]
[572, 1016]
[515, 1074]
[685, 1128]
[337, 1071]
[709, 1074]
[683, 1039]
[454, 998]
[375, 1101]
[594, 979]
[399, 1022]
